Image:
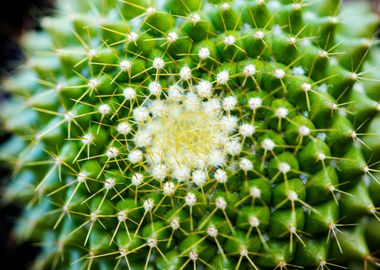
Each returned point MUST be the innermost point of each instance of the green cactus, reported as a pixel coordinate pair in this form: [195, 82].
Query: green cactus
[198, 135]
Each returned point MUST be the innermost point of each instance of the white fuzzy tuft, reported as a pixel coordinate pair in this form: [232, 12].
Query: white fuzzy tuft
[330, 187]
[122, 215]
[181, 174]
[142, 138]
[129, 93]
[150, 10]
[174, 224]
[255, 192]
[123, 128]
[58, 87]
[292, 196]
[247, 130]
[225, 6]
[229, 103]
[245, 164]
[279, 73]
[303, 131]
[199, 177]
[220, 203]
[334, 20]
[195, 18]
[255, 103]
[135, 156]
[112, 152]
[155, 88]
[87, 139]
[297, 6]
[151, 242]
[281, 112]
[292, 40]
[233, 147]
[132, 37]
[92, 53]
[259, 34]
[216, 158]
[249, 70]
[229, 123]
[190, 199]
[93, 217]
[204, 53]
[109, 183]
[69, 116]
[157, 108]
[268, 144]
[193, 255]
[185, 73]
[292, 229]
[212, 231]
[243, 252]
[104, 109]
[172, 37]
[306, 87]
[212, 106]
[168, 188]
[220, 176]
[125, 65]
[354, 76]
[254, 222]
[175, 92]
[321, 156]
[229, 40]
[137, 179]
[204, 89]
[160, 172]
[82, 177]
[158, 63]
[140, 114]
[148, 205]
[284, 167]
[323, 54]
[222, 77]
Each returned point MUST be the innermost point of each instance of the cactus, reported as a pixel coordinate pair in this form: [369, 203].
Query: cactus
[198, 135]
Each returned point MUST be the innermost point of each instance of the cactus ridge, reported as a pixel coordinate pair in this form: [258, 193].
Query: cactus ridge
[198, 135]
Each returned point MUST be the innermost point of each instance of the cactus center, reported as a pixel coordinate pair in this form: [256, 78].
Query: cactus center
[185, 134]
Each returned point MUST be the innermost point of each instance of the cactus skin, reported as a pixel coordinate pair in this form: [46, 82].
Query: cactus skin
[198, 135]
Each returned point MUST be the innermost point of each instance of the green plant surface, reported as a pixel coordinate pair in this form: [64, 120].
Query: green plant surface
[198, 134]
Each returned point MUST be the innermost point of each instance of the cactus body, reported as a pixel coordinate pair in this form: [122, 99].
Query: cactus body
[198, 135]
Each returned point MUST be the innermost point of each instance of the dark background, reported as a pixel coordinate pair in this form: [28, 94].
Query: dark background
[16, 17]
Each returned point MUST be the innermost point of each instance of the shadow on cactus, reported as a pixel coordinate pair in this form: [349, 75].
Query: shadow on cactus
[198, 135]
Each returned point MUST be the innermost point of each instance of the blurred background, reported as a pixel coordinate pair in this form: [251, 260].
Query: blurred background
[17, 17]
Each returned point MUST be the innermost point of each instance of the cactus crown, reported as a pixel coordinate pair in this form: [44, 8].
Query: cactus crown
[197, 135]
